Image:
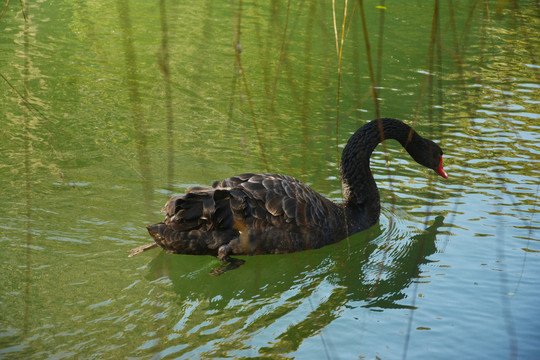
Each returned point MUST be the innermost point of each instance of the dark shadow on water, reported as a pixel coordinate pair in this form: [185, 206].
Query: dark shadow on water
[406, 268]
[314, 287]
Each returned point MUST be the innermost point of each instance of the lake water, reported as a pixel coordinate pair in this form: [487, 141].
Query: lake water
[109, 108]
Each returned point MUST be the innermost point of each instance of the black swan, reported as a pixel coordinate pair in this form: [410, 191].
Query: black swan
[253, 214]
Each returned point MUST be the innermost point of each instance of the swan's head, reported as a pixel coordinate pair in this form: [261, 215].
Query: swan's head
[427, 153]
[439, 170]
[433, 156]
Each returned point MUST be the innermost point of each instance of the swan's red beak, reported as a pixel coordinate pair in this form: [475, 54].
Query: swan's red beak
[440, 170]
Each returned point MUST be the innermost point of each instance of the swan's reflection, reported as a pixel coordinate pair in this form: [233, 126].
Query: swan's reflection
[285, 299]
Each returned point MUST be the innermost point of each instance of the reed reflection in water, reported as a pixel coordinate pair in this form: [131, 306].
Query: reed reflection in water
[109, 110]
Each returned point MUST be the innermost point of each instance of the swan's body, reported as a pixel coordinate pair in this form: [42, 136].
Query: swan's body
[253, 214]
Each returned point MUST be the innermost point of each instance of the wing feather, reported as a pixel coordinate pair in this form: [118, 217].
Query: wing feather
[246, 202]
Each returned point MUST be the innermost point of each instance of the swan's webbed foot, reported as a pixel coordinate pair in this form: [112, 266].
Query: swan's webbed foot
[229, 263]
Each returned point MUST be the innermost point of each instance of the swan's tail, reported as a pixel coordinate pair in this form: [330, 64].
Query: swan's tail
[157, 231]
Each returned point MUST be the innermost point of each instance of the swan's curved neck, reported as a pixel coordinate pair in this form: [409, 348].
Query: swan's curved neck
[361, 196]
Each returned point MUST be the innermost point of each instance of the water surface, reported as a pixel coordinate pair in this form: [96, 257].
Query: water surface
[110, 108]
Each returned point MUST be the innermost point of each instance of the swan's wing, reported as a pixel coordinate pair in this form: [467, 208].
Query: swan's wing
[263, 200]
[247, 200]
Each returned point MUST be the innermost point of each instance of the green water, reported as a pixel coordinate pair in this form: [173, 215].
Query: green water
[108, 108]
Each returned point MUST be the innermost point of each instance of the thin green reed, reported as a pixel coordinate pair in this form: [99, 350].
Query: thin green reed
[27, 177]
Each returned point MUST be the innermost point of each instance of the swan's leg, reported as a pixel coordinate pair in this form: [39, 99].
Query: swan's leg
[229, 263]
[223, 253]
